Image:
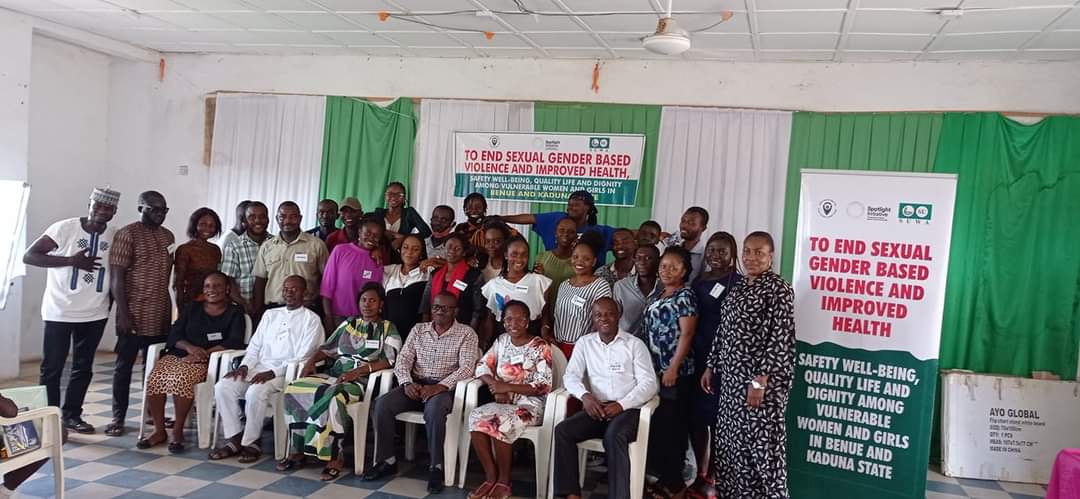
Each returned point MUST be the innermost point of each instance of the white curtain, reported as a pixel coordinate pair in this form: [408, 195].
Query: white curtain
[433, 173]
[267, 148]
[731, 162]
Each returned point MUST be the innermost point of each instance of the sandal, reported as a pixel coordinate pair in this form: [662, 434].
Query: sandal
[499, 491]
[482, 491]
[250, 454]
[115, 429]
[146, 443]
[224, 452]
[176, 447]
[290, 463]
[329, 474]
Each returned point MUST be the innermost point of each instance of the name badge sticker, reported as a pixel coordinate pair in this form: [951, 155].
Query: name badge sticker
[615, 367]
[578, 301]
[215, 336]
[460, 285]
[518, 359]
[717, 290]
[367, 274]
[523, 288]
[414, 272]
[371, 344]
[300, 258]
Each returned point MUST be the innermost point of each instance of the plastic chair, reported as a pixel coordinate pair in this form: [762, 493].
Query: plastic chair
[540, 436]
[277, 404]
[413, 419]
[639, 448]
[47, 422]
[204, 392]
[360, 411]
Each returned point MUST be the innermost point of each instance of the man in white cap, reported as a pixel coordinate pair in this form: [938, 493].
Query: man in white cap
[75, 306]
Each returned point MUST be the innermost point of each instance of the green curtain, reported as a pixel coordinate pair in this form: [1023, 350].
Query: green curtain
[904, 142]
[1012, 302]
[365, 147]
[605, 118]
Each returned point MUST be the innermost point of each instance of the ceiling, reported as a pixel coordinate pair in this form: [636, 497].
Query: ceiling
[759, 30]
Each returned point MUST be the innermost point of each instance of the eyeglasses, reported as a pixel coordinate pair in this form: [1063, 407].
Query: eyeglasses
[442, 308]
[152, 209]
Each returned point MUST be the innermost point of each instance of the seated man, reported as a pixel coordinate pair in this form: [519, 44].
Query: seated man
[436, 355]
[285, 335]
[611, 373]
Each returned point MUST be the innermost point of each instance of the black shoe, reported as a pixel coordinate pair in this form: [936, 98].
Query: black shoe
[379, 471]
[435, 481]
[77, 425]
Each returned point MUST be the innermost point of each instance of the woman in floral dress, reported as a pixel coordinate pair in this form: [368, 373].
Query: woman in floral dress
[317, 404]
[517, 371]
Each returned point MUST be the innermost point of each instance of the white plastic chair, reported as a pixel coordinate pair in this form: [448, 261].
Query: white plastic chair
[360, 411]
[639, 448]
[540, 436]
[51, 435]
[413, 419]
[204, 392]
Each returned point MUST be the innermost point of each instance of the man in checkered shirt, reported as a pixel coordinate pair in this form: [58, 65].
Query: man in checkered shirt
[436, 355]
[238, 255]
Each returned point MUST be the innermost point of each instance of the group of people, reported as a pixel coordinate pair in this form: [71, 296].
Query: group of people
[674, 318]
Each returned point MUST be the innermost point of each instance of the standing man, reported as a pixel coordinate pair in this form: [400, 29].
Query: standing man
[442, 226]
[287, 334]
[238, 228]
[75, 306]
[611, 373]
[351, 214]
[328, 217]
[139, 264]
[436, 355]
[291, 252]
[238, 256]
[692, 225]
[635, 292]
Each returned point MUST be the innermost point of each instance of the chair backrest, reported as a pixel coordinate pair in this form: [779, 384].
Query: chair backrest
[247, 329]
[558, 367]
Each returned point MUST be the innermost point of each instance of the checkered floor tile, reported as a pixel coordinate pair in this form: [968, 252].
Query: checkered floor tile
[97, 466]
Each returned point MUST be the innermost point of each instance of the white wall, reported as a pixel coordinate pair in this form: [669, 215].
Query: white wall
[69, 113]
[15, 51]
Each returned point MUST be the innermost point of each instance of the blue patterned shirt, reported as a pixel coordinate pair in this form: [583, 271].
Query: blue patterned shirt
[660, 323]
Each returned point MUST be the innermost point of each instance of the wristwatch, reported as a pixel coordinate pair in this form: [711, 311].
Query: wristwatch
[757, 386]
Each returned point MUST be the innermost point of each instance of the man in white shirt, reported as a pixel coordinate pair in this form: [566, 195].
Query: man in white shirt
[75, 306]
[611, 373]
[285, 335]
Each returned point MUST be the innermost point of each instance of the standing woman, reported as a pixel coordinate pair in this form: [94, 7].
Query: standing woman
[496, 234]
[555, 263]
[197, 257]
[516, 283]
[461, 280]
[349, 268]
[517, 370]
[569, 316]
[317, 404]
[669, 323]
[754, 359]
[405, 283]
[710, 289]
[203, 328]
[400, 219]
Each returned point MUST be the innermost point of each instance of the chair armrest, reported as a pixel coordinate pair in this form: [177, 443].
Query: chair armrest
[551, 404]
[213, 369]
[153, 352]
[50, 431]
[292, 371]
[472, 393]
[645, 417]
[31, 415]
[381, 379]
[226, 359]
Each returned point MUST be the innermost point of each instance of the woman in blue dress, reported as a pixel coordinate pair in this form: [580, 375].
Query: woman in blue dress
[710, 289]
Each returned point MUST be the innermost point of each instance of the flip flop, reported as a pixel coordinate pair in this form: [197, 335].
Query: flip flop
[482, 491]
[290, 464]
[329, 474]
[146, 443]
[250, 454]
[499, 491]
[224, 452]
[176, 447]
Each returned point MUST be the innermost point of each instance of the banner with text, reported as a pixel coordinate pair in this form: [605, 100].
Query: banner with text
[548, 167]
[871, 259]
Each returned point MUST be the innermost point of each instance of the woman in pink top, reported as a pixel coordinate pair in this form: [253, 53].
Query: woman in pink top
[349, 268]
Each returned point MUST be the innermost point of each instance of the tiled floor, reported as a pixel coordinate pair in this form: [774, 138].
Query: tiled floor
[97, 466]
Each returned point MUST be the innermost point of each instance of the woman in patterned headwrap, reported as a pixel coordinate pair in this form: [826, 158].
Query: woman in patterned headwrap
[317, 404]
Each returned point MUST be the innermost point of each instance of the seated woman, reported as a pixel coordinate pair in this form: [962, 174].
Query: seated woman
[203, 328]
[517, 371]
[316, 405]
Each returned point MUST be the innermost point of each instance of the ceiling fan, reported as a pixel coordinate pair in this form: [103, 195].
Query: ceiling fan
[669, 38]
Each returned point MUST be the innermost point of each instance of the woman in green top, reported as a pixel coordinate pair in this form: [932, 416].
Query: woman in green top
[555, 264]
[317, 404]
